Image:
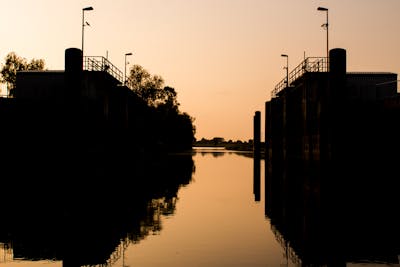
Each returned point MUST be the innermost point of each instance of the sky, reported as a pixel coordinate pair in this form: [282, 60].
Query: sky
[223, 57]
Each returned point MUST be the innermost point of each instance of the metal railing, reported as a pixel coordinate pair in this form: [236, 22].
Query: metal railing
[310, 64]
[99, 63]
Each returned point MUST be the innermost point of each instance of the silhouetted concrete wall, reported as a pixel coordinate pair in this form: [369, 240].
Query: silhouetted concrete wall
[315, 130]
[41, 85]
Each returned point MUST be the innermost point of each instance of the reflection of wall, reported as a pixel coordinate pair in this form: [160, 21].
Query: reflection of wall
[83, 224]
[339, 224]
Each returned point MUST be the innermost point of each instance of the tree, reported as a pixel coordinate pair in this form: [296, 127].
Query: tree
[15, 63]
[169, 97]
[151, 87]
[175, 128]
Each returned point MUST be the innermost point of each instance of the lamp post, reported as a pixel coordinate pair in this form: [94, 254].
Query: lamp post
[327, 35]
[84, 24]
[127, 54]
[287, 69]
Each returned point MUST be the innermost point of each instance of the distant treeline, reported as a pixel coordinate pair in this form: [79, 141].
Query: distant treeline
[230, 145]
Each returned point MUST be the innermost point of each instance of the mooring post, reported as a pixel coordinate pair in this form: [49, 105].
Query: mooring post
[257, 134]
[257, 155]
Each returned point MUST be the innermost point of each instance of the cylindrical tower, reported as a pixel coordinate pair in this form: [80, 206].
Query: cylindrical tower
[73, 75]
[73, 60]
[337, 61]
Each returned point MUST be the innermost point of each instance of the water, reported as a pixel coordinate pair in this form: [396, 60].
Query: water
[206, 208]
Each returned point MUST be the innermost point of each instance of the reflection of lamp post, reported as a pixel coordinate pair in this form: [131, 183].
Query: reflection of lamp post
[127, 54]
[83, 23]
[287, 69]
[327, 35]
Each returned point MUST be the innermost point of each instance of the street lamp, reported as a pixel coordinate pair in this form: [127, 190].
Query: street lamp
[127, 54]
[84, 24]
[287, 69]
[327, 35]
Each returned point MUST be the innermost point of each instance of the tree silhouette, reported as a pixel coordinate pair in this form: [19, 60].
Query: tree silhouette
[15, 63]
[174, 128]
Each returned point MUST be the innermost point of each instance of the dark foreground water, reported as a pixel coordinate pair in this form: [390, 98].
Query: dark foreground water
[205, 208]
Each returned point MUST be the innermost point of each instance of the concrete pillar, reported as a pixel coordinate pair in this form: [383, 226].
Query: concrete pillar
[73, 74]
[73, 60]
[257, 133]
[337, 74]
[257, 155]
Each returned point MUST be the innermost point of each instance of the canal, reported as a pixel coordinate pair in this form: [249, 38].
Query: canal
[203, 208]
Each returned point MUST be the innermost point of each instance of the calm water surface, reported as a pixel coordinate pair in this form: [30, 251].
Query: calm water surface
[214, 217]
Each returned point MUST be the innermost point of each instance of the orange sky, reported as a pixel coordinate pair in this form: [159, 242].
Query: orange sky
[223, 57]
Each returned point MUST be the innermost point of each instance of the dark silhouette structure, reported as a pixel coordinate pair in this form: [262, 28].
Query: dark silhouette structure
[87, 110]
[324, 118]
[256, 155]
[80, 145]
[331, 155]
[257, 134]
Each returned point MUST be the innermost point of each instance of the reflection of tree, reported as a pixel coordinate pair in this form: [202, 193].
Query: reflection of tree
[88, 228]
[156, 208]
[168, 177]
[219, 152]
[6, 253]
[171, 175]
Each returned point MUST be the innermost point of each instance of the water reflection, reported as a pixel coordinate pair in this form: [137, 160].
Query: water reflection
[335, 218]
[90, 223]
[217, 221]
[220, 151]
[257, 178]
